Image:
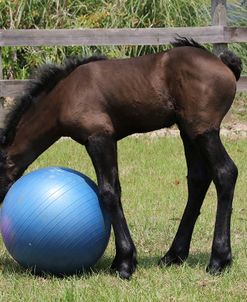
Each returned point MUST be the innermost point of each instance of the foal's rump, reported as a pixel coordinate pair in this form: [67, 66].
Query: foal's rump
[203, 88]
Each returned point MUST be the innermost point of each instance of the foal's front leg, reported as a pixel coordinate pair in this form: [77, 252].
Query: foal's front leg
[103, 152]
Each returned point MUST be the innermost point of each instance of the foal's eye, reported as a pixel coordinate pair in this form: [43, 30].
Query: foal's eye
[2, 137]
[9, 137]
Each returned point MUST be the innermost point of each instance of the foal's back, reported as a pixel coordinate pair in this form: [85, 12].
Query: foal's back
[125, 96]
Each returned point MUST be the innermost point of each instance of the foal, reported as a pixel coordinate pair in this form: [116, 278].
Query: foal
[97, 102]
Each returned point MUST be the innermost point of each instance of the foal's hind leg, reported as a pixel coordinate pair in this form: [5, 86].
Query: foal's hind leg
[224, 174]
[199, 179]
[103, 152]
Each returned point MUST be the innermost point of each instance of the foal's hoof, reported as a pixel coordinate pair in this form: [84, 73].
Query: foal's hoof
[124, 268]
[171, 258]
[217, 267]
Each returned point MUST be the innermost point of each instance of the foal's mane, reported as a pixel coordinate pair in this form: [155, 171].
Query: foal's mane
[46, 78]
[180, 41]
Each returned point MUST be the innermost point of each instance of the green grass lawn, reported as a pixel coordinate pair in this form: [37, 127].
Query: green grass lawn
[153, 177]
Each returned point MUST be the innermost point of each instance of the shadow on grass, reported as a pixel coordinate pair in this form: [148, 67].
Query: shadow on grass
[199, 259]
[9, 266]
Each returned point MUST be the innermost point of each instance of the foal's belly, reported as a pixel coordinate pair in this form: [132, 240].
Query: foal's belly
[145, 116]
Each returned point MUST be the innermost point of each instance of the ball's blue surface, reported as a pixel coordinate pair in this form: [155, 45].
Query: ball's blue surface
[52, 221]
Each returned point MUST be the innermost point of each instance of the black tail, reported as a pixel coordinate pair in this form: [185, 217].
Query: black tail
[232, 61]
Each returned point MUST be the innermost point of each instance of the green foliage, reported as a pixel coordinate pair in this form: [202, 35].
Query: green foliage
[48, 14]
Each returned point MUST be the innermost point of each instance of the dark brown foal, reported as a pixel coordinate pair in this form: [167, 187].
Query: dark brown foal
[97, 101]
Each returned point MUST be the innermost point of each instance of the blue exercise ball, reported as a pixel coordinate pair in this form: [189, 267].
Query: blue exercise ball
[52, 221]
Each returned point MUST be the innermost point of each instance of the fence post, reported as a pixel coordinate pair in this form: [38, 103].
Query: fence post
[219, 17]
[1, 64]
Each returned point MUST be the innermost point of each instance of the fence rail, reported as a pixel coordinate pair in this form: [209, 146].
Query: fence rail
[120, 36]
[141, 36]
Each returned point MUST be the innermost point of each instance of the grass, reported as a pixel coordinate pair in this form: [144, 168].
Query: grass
[153, 177]
[238, 111]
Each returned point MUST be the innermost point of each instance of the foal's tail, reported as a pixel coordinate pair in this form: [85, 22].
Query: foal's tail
[232, 61]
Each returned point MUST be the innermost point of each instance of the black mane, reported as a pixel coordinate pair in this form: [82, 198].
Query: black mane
[47, 77]
[183, 41]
